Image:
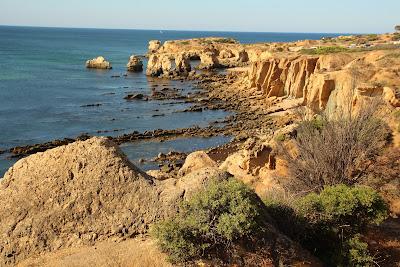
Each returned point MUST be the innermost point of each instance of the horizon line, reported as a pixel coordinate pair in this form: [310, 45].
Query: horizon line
[177, 30]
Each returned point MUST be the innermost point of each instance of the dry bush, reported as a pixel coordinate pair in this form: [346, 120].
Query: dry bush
[335, 150]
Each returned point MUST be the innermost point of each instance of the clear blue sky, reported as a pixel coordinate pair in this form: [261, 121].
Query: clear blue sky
[234, 15]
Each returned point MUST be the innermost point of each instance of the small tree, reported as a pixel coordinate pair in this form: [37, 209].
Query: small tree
[397, 28]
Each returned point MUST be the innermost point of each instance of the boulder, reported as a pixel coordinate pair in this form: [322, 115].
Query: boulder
[154, 45]
[98, 63]
[135, 64]
[195, 161]
[79, 194]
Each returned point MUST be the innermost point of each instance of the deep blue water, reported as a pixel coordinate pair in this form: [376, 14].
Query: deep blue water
[44, 83]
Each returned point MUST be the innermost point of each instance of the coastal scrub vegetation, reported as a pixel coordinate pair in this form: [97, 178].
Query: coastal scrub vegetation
[211, 221]
[324, 50]
[331, 223]
[335, 150]
[219, 40]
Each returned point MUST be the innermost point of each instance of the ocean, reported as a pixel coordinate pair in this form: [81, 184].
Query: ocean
[46, 92]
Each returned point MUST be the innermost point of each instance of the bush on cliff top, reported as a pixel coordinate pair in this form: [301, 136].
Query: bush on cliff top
[335, 150]
[214, 219]
[324, 50]
[349, 208]
[329, 224]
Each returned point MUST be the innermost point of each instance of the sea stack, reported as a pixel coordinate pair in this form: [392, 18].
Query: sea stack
[98, 63]
[135, 64]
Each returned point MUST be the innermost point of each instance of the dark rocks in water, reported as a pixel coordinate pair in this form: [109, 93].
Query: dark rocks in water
[21, 151]
[172, 156]
[136, 97]
[194, 109]
[91, 105]
[158, 115]
[115, 76]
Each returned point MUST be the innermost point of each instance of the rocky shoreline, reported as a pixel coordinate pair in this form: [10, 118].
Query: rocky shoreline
[269, 88]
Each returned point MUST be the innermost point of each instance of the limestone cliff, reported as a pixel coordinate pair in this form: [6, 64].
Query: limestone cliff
[328, 81]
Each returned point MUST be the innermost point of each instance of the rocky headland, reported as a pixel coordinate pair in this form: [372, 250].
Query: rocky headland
[69, 196]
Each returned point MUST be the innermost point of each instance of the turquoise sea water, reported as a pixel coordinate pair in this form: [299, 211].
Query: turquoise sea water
[44, 84]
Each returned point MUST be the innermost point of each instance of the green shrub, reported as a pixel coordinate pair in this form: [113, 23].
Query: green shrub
[178, 240]
[341, 206]
[358, 254]
[329, 224]
[215, 218]
[226, 41]
[372, 37]
[280, 138]
[317, 123]
[324, 50]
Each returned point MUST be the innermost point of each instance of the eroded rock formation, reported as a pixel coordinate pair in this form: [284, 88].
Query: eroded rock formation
[98, 63]
[212, 53]
[154, 45]
[328, 81]
[209, 60]
[167, 65]
[135, 64]
[182, 63]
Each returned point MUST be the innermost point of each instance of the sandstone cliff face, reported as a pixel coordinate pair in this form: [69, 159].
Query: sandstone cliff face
[168, 64]
[327, 81]
[98, 63]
